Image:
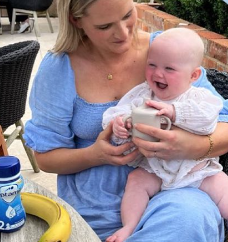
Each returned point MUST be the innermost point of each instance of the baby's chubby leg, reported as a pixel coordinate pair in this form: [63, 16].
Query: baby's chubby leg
[141, 185]
[217, 188]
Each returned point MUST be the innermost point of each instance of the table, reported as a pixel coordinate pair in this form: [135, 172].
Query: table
[35, 227]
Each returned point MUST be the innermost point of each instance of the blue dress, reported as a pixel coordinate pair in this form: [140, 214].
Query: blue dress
[61, 118]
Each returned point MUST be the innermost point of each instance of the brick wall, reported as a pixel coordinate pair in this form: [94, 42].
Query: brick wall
[216, 46]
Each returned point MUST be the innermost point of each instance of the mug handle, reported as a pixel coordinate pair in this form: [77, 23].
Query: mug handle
[166, 120]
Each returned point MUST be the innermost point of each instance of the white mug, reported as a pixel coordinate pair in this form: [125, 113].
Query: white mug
[146, 115]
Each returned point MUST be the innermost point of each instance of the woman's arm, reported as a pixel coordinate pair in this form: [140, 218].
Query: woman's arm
[180, 144]
[220, 140]
[68, 161]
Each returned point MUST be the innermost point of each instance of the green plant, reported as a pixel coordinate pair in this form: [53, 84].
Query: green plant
[210, 14]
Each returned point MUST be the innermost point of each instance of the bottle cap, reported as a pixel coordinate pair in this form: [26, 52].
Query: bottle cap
[9, 166]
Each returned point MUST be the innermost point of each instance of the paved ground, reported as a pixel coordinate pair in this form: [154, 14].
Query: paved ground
[46, 41]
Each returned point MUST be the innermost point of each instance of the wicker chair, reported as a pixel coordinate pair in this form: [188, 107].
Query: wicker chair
[16, 64]
[220, 81]
[31, 7]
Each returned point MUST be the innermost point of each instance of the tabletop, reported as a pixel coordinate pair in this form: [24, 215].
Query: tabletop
[34, 227]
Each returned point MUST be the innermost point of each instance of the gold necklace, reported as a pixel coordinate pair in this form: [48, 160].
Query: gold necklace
[109, 76]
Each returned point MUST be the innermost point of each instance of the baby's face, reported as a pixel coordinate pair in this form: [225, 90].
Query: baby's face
[168, 73]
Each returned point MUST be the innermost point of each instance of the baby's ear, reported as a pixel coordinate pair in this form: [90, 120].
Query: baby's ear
[196, 74]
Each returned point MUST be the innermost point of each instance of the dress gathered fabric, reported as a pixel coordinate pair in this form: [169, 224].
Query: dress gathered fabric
[62, 119]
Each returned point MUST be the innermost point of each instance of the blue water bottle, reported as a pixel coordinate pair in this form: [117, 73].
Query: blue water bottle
[12, 213]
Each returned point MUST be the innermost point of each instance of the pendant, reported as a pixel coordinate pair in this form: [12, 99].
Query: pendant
[109, 76]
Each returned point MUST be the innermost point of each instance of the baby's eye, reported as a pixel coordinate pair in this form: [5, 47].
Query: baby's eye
[169, 68]
[127, 15]
[151, 65]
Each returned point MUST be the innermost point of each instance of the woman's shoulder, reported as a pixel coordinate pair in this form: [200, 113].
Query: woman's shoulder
[143, 38]
[143, 35]
[55, 67]
[53, 60]
[55, 71]
[146, 38]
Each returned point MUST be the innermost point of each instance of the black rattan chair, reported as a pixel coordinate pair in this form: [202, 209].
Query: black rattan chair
[31, 7]
[219, 80]
[16, 64]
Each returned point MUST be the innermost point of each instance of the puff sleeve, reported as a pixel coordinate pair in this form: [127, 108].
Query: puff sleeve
[51, 102]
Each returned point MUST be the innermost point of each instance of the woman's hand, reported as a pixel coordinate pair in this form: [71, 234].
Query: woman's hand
[109, 154]
[174, 144]
[69, 161]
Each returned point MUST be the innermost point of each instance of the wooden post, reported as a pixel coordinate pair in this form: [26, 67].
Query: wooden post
[3, 148]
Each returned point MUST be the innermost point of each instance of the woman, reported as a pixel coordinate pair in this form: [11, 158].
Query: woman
[98, 57]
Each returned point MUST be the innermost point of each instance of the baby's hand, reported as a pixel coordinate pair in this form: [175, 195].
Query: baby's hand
[119, 128]
[164, 109]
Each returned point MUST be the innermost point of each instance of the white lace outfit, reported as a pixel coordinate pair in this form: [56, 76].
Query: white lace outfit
[197, 111]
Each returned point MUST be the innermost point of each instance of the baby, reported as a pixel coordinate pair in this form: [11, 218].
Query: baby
[173, 63]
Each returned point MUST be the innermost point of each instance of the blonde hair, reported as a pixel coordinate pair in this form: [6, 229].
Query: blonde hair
[69, 36]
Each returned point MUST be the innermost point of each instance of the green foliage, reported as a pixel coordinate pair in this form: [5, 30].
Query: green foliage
[210, 14]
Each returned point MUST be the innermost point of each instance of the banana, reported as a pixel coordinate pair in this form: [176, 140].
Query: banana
[52, 212]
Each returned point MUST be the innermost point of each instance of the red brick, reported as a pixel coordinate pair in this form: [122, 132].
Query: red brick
[218, 49]
[144, 27]
[210, 35]
[173, 23]
[209, 62]
[222, 67]
[141, 8]
[194, 27]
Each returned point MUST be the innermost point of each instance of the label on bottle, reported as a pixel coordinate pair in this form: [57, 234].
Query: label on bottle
[12, 213]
